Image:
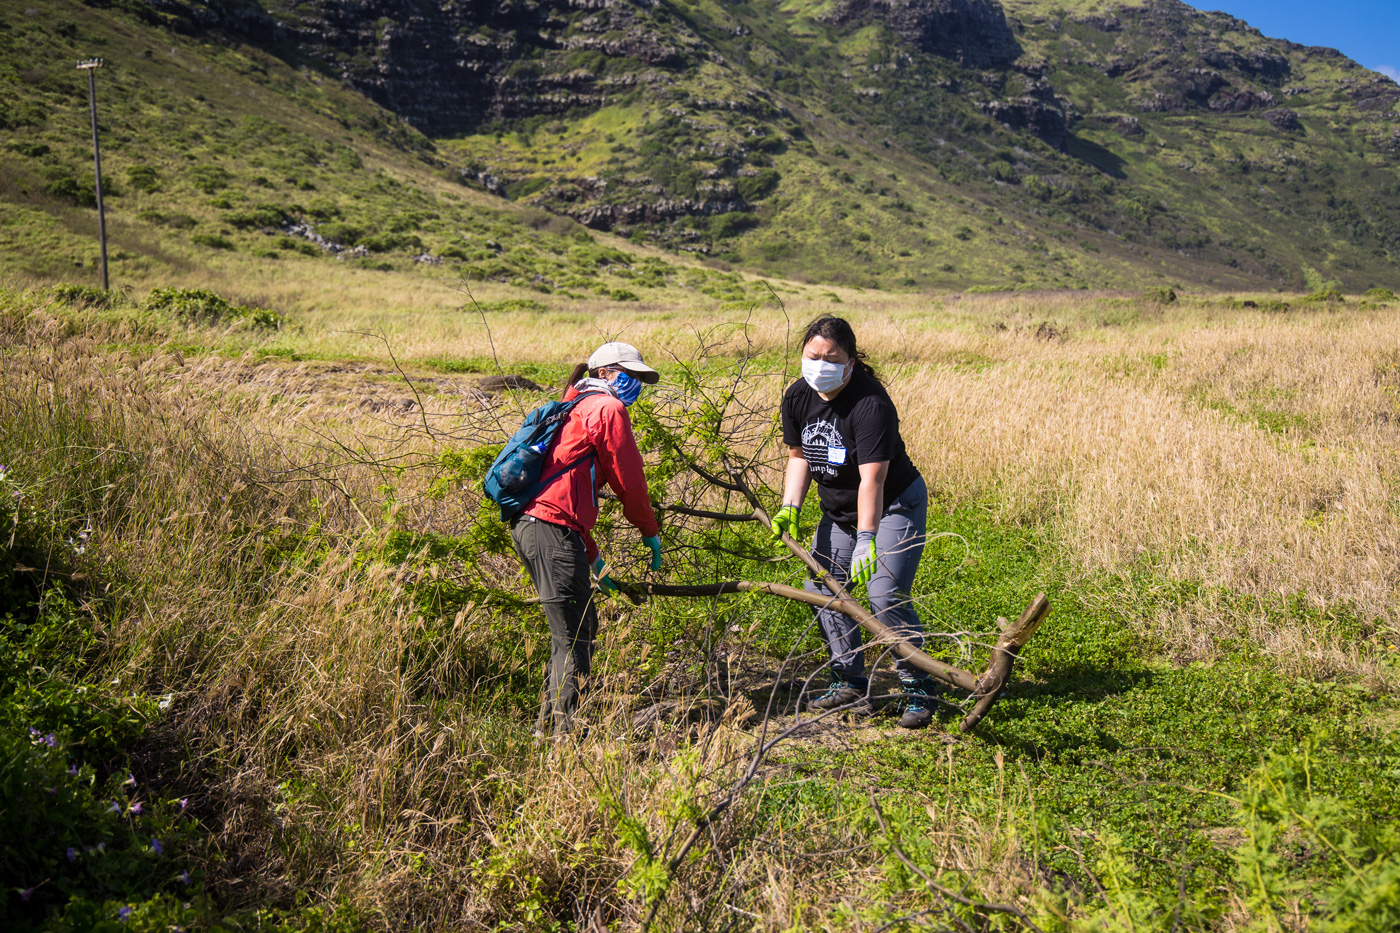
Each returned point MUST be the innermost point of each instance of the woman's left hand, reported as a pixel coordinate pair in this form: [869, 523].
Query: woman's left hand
[863, 563]
[654, 542]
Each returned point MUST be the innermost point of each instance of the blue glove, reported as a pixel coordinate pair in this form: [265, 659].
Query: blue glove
[863, 560]
[654, 542]
[606, 586]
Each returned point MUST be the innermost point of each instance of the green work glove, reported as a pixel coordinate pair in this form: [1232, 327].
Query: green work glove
[863, 560]
[654, 542]
[606, 586]
[785, 522]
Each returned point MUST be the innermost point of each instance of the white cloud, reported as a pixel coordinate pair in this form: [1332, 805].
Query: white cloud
[1390, 71]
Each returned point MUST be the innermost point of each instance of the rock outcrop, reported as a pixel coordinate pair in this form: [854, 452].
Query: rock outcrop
[448, 68]
[1049, 121]
[972, 32]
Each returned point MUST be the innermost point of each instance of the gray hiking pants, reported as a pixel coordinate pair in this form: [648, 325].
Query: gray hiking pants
[899, 543]
[558, 566]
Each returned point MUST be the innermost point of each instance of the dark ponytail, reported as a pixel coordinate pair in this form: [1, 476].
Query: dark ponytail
[839, 332]
[579, 372]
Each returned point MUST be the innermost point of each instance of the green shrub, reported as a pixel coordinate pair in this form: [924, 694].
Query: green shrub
[339, 232]
[773, 142]
[61, 184]
[85, 295]
[209, 178]
[514, 304]
[1380, 294]
[198, 306]
[263, 215]
[757, 187]
[731, 224]
[387, 242]
[1162, 295]
[32, 150]
[1004, 171]
[1328, 295]
[143, 178]
[211, 240]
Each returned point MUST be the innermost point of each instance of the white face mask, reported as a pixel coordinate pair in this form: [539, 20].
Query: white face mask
[822, 376]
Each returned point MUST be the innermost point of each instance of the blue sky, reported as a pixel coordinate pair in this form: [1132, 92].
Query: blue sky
[1365, 30]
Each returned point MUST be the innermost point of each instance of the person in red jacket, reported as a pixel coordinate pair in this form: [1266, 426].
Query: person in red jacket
[553, 535]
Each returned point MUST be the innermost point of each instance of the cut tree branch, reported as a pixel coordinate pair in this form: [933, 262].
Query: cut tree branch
[986, 688]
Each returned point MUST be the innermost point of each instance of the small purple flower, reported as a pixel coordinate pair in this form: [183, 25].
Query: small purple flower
[184, 802]
[26, 894]
[123, 914]
[53, 791]
[73, 770]
[156, 847]
[114, 807]
[51, 740]
[130, 779]
[136, 808]
[185, 876]
[72, 855]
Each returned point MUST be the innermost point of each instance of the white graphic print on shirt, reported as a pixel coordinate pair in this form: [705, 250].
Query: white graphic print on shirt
[824, 447]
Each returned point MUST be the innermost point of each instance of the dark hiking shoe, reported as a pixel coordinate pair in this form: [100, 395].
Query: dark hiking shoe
[918, 705]
[840, 693]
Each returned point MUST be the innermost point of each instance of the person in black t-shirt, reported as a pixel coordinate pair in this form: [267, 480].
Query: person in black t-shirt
[842, 430]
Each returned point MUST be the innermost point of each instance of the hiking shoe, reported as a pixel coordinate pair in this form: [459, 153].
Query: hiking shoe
[840, 693]
[918, 705]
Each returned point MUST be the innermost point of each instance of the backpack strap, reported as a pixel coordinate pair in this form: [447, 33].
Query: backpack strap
[543, 484]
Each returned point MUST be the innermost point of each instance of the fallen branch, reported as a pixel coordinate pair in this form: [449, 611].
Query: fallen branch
[844, 605]
[987, 687]
[1008, 648]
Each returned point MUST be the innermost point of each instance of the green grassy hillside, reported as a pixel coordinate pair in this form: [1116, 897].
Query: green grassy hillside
[1068, 145]
[222, 160]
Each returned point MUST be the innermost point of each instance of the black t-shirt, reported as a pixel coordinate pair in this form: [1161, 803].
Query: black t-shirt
[860, 425]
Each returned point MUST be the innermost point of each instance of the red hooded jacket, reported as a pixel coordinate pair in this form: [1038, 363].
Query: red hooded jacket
[598, 421]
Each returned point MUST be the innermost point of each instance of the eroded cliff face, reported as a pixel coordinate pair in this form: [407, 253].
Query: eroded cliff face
[972, 32]
[450, 66]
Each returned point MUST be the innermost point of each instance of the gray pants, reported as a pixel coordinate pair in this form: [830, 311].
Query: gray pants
[899, 543]
[558, 566]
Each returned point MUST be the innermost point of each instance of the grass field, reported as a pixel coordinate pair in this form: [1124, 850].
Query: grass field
[251, 574]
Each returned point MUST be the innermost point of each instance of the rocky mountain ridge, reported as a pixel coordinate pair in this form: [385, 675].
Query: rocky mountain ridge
[896, 142]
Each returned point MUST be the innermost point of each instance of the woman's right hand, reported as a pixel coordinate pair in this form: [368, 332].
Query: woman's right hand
[606, 586]
[786, 522]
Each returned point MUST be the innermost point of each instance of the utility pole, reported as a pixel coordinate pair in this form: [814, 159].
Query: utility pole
[90, 66]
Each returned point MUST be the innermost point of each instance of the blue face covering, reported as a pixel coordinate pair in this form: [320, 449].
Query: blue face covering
[627, 386]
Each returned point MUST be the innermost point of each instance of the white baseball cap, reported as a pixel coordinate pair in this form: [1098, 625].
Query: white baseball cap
[624, 356]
